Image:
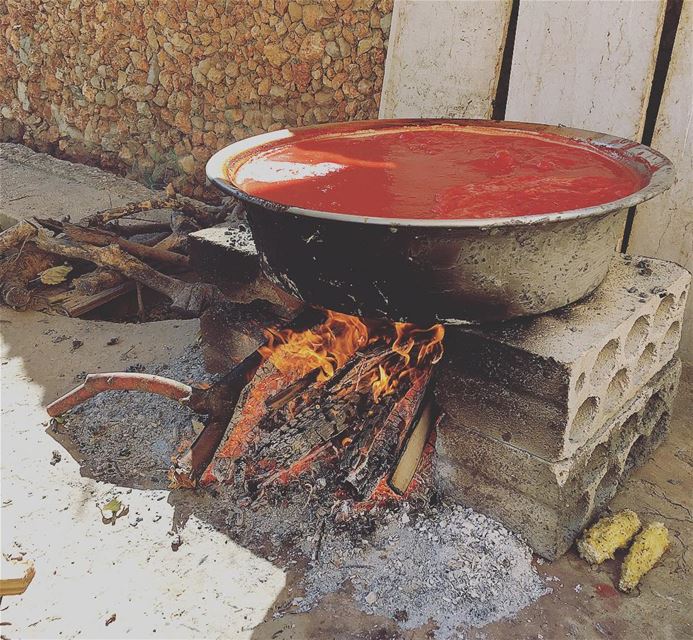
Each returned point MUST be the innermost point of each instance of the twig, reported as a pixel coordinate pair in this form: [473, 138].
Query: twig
[102, 238]
[188, 297]
[206, 215]
[140, 302]
[17, 234]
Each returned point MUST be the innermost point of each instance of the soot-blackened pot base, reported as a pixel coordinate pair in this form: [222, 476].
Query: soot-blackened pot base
[430, 269]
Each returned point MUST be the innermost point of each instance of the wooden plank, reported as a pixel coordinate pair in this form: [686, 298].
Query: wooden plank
[77, 304]
[663, 227]
[587, 64]
[443, 58]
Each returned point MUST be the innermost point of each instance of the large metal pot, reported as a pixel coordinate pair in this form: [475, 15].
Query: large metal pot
[450, 271]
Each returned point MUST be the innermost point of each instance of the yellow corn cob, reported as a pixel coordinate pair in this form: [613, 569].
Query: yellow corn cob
[649, 546]
[601, 540]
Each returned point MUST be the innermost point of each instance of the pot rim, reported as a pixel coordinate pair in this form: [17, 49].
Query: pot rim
[642, 158]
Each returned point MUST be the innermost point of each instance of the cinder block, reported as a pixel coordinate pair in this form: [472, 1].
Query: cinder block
[226, 251]
[549, 502]
[547, 384]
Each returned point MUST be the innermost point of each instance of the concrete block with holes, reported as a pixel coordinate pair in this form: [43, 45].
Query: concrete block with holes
[548, 384]
[549, 502]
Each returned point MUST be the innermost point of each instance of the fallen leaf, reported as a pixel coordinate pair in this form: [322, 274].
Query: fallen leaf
[113, 506]
[55, 275]
[197, 426]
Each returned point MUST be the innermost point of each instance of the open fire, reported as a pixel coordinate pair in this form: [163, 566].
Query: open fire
[342, 400]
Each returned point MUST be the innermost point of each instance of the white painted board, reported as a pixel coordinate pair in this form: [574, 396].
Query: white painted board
[585, 63]
[443, 58]
[663, 227]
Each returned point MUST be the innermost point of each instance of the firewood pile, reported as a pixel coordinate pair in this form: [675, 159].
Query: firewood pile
[55, 265]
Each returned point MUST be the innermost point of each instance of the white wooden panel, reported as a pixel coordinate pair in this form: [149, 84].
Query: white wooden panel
[585, 63]
[443, 58]
[663, 227]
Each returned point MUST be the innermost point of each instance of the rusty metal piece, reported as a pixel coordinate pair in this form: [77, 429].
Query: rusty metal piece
[96, 383]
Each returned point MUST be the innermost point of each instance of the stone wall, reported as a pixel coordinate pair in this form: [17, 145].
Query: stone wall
[151, 88]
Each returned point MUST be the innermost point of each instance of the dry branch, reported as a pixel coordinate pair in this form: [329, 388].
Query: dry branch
[17, 234]
[206, 215]
[102, 238]
[96, 281]
[135, 229]
[186, 297]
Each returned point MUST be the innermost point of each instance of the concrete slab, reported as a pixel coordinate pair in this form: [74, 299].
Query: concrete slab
[36, 184]
[550, 503]
[548, 384]
[226, 251]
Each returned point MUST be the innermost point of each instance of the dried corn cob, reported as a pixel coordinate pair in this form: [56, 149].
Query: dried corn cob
[649, 546]
[601, 540]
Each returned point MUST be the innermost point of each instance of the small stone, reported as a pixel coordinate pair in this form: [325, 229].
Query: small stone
[364, 46]
[312, 47]
[275, 55]
[332, 49]
[314, 16]
[295, 11]
[371, 597]
[187, 164]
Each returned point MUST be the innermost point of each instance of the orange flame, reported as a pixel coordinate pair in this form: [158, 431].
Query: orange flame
[423, 346]
[329, 345]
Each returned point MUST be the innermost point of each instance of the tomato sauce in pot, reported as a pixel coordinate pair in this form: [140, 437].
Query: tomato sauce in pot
[442, 171]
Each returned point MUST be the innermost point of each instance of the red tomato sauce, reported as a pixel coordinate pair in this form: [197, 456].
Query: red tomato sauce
[444, 171]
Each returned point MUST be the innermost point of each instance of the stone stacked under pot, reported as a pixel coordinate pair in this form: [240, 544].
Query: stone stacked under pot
[546, 416]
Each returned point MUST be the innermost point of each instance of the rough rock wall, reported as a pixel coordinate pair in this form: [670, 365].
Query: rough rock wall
[152, 87]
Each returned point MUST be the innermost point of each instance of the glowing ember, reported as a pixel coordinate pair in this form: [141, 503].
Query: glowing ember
[348, 428]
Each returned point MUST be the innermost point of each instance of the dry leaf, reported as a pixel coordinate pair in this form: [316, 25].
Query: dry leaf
[113, 506]
[55, 275]
[197, 426]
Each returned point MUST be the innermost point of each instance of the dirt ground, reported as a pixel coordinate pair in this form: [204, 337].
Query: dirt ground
[211, 587]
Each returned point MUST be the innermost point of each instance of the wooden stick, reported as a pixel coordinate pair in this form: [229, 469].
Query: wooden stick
[102, 238]
[412, 449]
[187, 297]
[98, 280]
[206, 215]
[17, 234]
[284, 396]
[96, 383]
[127, 231]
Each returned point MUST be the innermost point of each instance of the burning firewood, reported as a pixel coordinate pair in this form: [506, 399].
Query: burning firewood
[220, 402]
[352, 423]
[412, 450]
